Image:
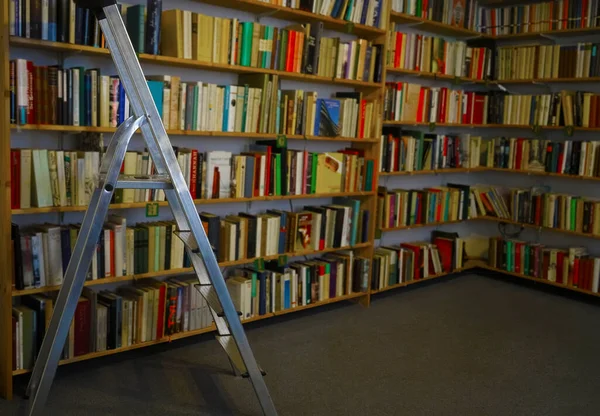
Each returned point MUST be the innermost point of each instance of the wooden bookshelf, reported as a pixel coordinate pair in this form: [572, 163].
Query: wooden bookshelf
[212, 328]
[134, 205]
[484, 126]
[191, 133]
[189, 63]
[564, 33]
[539, 280]
[178, 272]
[434, 172]
[536, 173]
[546, 81]
[433, 27]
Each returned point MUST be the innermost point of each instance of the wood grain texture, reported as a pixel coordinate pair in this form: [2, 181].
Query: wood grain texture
[6, 390]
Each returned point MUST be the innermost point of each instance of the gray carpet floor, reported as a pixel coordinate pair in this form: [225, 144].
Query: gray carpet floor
[471, 345]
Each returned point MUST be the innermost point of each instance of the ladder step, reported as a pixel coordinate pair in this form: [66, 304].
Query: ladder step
[221, 324]
[210, 294]
[232, 350]
[144, 182]
[246, 375]
[189, 240]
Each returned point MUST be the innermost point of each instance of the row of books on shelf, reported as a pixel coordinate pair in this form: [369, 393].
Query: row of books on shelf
[299, 48]
[153, 310]
[539, 206]
[413, 103]
[547, 61]
[108, 320]
[42, 252]
[409, 207]
[416, 151]
[79, 97]
[538, 17]
[153, 30]
[406, 102]
[573, 267]
[451, 12]
[416, 52]
[414, 261]
[568, 157]
[62, 178]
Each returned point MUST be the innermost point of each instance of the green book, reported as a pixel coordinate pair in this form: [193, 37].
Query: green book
[136, 26]
[247, 31]
[277, 174]
[156, 248]
[195, 108]
[27, 317]
[282, 50]
[313, 185]
[525, 253]
[245, 112]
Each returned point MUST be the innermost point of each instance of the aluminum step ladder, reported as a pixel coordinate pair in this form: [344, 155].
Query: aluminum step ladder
[169, 178]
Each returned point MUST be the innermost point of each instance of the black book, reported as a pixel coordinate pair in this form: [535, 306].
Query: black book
[252, 230]
[113, 304]
[17, 259]
[35, 19]
[214, 225]
[279, 147]
[62, 20]
[153, 14]
[168, 239]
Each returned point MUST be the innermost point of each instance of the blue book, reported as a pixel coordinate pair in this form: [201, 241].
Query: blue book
[121, 114]
[156, 89]
[377, 13]
[262, 293]
[249, 179]
[327, 122]
[287, 303]
[363, 14]
[226, 101]
[152, 35]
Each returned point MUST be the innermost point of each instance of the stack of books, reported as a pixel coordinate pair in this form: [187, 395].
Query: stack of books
[538, 17]
[416, 52]
[57, 178]
[547, 62]
[109, 320]
[404, 208]
[416, 151]
[275, 288]
[489, 201]
[413, 103]
[451, 12]
[572, 267]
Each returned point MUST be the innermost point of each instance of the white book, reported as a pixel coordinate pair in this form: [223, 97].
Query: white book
[107, 253]
[596, 275]
[62, 185]
[54, 257]
[22, 90]
[25, 178]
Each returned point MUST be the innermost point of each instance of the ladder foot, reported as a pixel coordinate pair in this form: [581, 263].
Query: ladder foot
[222, 314]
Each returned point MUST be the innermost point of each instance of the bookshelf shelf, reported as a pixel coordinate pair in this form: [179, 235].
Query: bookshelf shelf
[539, 280]
[566, 33]
[483, 126]
[177, 272]
[190, 63]
[435, 76]
[434, 27]
[546, 80]
[433, 172]
[410, 227]
[134, 205]
[426, 279]
[526, 225]
[297, 15]
[190, 133]
[188, 334]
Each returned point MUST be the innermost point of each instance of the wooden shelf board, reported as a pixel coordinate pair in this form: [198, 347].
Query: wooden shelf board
[399, 71]
[432, 172]
[176, 272]
[133, 205]
[195, 133]
[540, 280]
[434, 27]
[188, 334]
[526, 225]
[426, 279]
[190, 63]
[545, 80]
[534, 173]
[565, 33]
[482, 126]
[410, 227]
[287, 13]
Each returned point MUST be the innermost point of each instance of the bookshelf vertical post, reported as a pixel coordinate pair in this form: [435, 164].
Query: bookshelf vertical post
[5, 211]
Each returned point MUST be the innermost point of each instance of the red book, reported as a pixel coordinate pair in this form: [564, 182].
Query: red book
[442, 105]
[194, 173]
[457, 157]
[418, 53]
[519, 155]
[560, 264]
[565, 15]
[480, 63]
[82, 327]
[30, 89]
[584, 17]
[363, 113]
[418, 259]
[398, 50]
[291, 51]
[15, 179]
[268, 170]
[576, 271]
[518, 258]
[445, 248]
[397, 144]
[420, 208]
[162, 303]
[561, 156]
[420, 105]
[112, 253]
[478, 106]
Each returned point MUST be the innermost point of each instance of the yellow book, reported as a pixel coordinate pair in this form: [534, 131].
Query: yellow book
[329, 172]
[171, 29]
[225, 40]
[216, 44]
